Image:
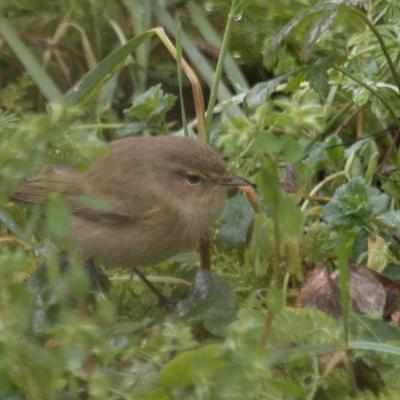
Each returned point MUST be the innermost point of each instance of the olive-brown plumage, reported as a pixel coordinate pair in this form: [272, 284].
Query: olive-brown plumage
[159, 195]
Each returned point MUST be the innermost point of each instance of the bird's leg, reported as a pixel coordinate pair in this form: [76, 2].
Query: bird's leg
[97, 277]
[162, 298]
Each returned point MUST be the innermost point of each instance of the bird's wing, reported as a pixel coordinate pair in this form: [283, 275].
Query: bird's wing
[69, 184]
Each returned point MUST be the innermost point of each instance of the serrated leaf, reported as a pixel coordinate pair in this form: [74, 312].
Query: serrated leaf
[190, 366]
[310, 12]
[294, 325]
[322, 24]
[211, 301]
[151, 105]
[262, 91]
[236, 219]
[318, 78]
[354, 203]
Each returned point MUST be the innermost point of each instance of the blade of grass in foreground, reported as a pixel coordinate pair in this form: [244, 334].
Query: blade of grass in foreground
[220, 64]
[233, 72]
[141, 11]
[104, 70]
[179, 72]
[194, 55]
[38, 74]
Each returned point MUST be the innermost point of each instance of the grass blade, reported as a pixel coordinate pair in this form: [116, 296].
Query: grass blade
[233, 72]
[202, 65]
[104, 70]
[220, 64]
[141, 12]
[374, 346]
[38, 74]
[179, 72]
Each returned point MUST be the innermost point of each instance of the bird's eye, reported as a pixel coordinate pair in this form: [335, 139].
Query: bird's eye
[193, 179]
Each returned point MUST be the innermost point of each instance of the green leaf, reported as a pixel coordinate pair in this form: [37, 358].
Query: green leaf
[274, 299]
[290, 216]
[103, 71]
[262, 91]
[130, 129]
[211, 301]
[343, 253]
[310, 12]
[293, 325]
[236, 219]
[320, 26]
[292, 150]
[260, 245]
[192, 366]
[151, 106]
[286, 212]
[370, 329]
[391, 219]
[354, 203]
[375, 346]
[318, 78]
[58, 216]
[267, 142]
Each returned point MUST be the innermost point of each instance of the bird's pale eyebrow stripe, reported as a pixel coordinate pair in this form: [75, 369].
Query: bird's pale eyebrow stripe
[184, 173]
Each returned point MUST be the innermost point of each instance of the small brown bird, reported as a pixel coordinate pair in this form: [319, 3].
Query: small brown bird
[161, 194]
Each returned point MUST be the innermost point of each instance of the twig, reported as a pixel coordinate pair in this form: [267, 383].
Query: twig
[319, 186]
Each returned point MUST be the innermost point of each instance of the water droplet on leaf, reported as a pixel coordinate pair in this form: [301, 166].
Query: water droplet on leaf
[238, 17]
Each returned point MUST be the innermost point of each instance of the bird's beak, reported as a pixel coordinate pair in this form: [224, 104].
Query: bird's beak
[232, 181]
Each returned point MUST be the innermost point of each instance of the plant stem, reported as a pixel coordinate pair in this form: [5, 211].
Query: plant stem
[381, 42]
[220, 65]
[319, 186]
[180, 80]
[374, 92]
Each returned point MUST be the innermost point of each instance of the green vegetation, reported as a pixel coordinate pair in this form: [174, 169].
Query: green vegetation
[306, 106]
